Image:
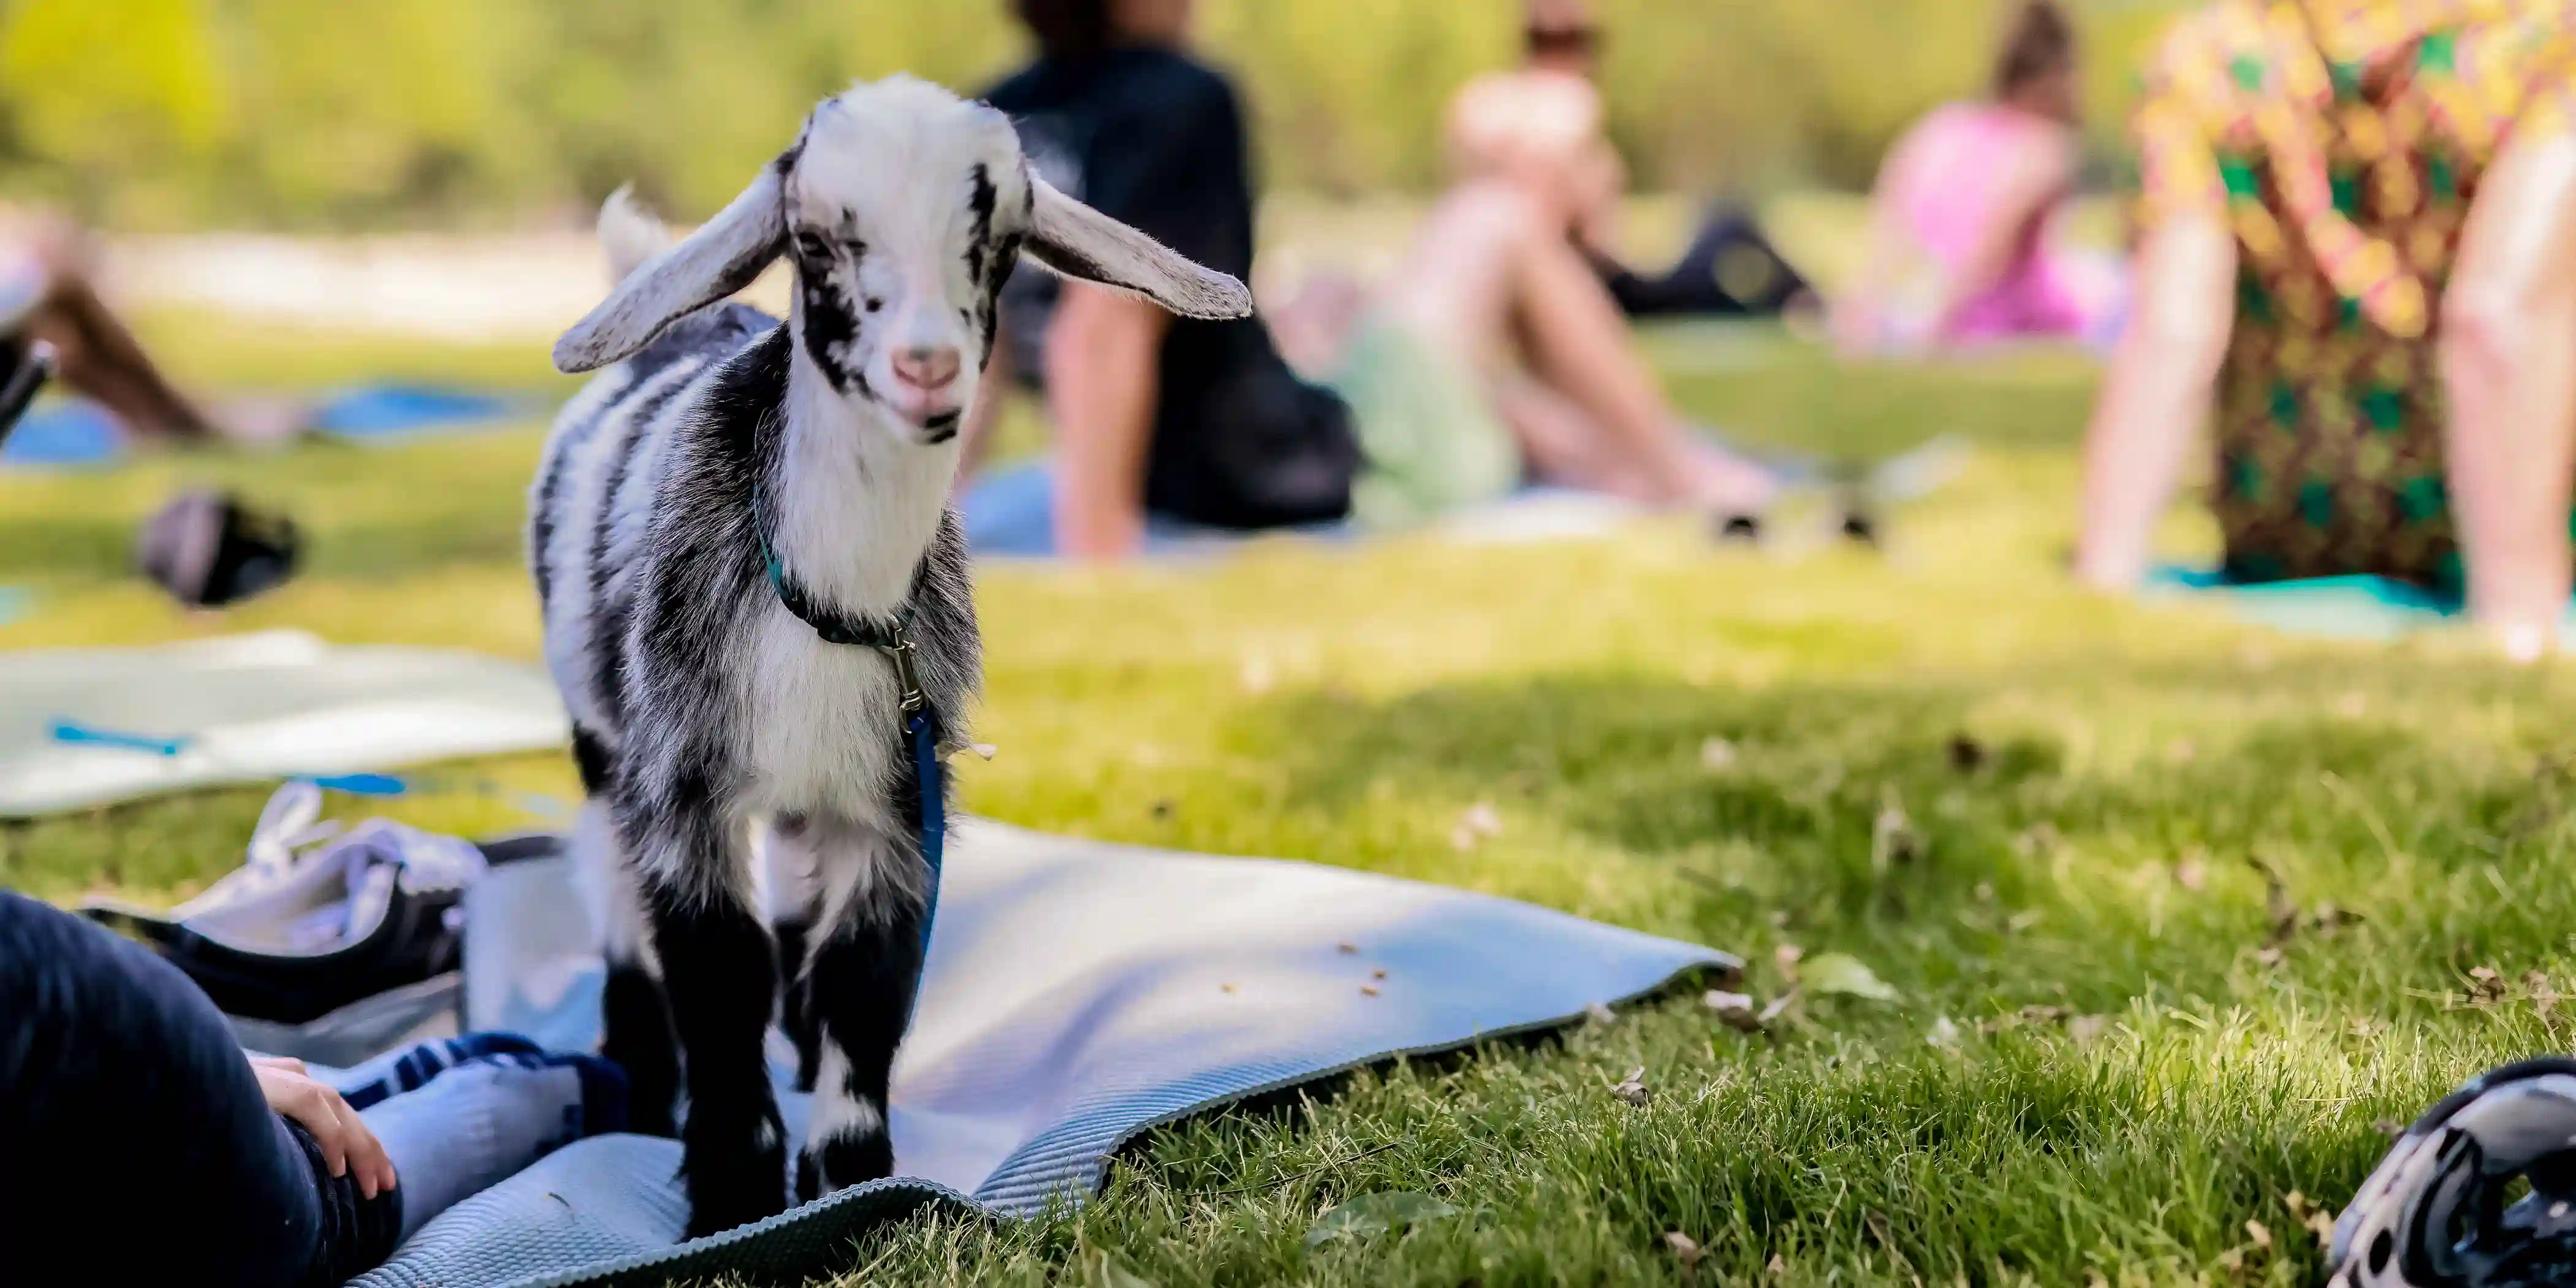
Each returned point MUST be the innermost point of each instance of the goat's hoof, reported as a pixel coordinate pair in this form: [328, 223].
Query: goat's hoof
[842, 1163]
[735, 1192]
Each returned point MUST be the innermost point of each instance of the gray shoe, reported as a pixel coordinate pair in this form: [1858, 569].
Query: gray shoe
[2434, 1213]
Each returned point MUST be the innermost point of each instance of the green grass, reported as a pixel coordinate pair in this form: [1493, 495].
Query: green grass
[2132, 768]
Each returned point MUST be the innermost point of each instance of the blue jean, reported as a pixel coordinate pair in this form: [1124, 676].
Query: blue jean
[135, 1146]
[1010, 513]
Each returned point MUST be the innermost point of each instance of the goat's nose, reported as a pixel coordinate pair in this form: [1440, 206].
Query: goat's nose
[927, 368]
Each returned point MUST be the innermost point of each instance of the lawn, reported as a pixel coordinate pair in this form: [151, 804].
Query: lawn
[2176, 912]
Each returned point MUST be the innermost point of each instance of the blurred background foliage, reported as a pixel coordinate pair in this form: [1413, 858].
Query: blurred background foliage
[147, 114]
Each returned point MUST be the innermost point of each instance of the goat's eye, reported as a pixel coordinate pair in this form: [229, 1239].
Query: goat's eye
[875, 305]
[812, 246]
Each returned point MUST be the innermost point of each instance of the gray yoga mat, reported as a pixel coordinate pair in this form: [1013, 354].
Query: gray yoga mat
[84, 727]
[1078, 993]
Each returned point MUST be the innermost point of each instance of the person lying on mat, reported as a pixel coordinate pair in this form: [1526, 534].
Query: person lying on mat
[46, 295]
[1542, 123]
[1163, 422]
[2360, 241]
[141, 1145]
[1963, 247]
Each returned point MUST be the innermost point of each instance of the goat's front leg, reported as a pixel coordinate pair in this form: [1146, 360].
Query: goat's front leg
[863, 967]
[720, 973]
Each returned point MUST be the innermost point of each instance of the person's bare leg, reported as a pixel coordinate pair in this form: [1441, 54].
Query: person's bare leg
[1491, 268]
[1565, 446]
[99, 359]
[2508, 359]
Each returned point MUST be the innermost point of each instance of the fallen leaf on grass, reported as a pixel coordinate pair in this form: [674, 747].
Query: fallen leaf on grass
[1843, 975]
[2260, 1233]
[1967, 755]
[1892, 839]
[1735, 1010]
[2085, 1029]
[1370, 1215]
[2037, 841]
[2486, 986]
[1778, 1006]
[1479, 824]
[2191, 871]
[1633, 1090]
[1786, 957]
[2316, 1218]
[1105, 1270]
[1162, 811]
[1685, 1248]
[1717, 755]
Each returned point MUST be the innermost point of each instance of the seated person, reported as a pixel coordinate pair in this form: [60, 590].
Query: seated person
[2367, 259]
[1542, 122]
[139, 1144]
[1165, 422]
[1962, 225]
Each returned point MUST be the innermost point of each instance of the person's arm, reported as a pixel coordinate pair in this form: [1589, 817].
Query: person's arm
[2157, 394]
[1103, 363]
[2508, 360]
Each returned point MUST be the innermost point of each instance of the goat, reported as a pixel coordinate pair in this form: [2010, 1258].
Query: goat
[726, 499]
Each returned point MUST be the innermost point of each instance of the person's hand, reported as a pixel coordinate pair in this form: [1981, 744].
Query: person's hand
[348, 1148]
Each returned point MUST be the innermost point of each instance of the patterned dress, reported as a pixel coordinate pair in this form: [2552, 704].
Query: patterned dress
[2343, 141]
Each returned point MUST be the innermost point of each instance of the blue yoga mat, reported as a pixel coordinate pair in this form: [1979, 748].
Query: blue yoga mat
[2351, 608]
[77, 432]
[1077, 995]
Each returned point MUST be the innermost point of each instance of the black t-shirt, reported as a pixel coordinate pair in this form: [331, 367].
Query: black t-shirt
[1156, 141]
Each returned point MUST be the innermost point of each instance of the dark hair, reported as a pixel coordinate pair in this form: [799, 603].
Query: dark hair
[2040, 42]
[1068, 29]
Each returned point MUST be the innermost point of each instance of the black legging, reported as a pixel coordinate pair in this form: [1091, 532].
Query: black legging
[135, 1146]
[1730, 270]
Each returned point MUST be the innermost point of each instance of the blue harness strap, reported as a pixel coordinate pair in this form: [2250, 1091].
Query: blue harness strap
[932, 777]
[893, 638]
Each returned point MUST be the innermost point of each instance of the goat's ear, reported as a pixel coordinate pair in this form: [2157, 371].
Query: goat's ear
[717, 260]
[1079, 242]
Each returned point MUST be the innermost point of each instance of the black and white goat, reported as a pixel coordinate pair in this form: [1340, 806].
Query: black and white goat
[725, 500]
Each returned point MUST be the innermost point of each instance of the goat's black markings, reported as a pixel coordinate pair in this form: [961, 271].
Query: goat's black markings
[720, 973]
[865, 971]
[988, 302]
[636, 1037]
[830, 323]
[979, 204]
[591, 757]
[609, 613]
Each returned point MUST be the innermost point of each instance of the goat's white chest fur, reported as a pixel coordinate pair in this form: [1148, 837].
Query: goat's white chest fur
[823, 723]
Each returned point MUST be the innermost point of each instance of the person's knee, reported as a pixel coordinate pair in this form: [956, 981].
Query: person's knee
[1495, 209]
